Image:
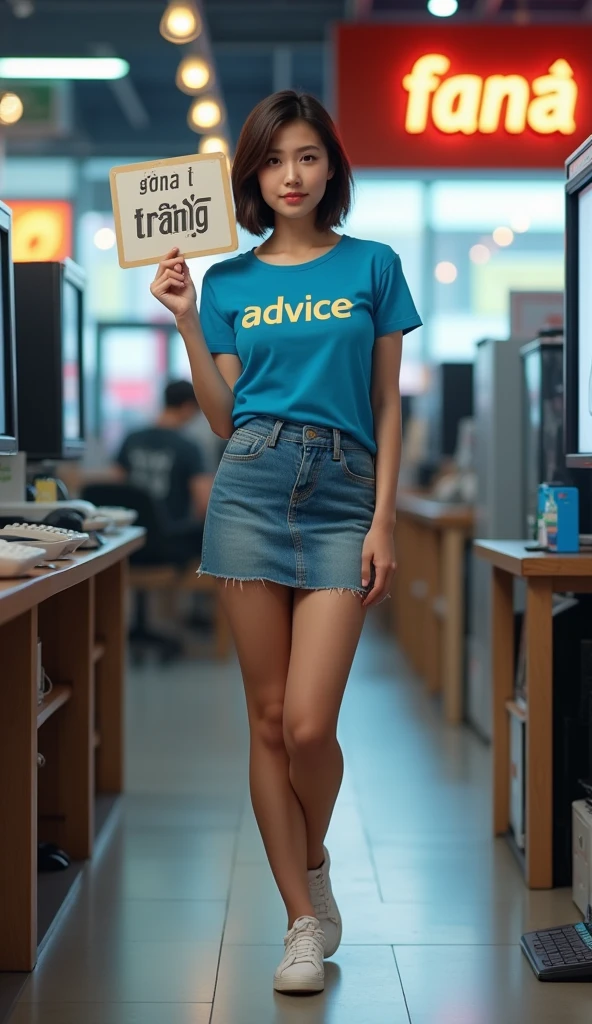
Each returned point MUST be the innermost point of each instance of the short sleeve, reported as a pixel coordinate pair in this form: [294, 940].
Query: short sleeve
[394, 309]
[217, 329]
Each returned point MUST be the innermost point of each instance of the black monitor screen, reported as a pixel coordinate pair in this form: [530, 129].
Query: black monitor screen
[585, 320]
[71, 361]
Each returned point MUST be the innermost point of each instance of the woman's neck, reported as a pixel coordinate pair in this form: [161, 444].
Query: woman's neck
[297, 238]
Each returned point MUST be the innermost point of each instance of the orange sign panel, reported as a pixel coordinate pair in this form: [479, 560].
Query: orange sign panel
[463, 96]
[41, 230]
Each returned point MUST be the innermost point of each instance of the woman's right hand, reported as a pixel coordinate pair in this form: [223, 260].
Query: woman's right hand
[173, 286]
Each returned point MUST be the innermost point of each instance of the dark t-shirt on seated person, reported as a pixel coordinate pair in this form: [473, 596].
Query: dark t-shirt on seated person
[162, 462]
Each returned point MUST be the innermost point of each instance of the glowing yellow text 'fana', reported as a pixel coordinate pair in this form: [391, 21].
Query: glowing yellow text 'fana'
[469, 104]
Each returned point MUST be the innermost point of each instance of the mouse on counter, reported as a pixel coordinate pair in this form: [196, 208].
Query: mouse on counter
[51, 858]
[65, 519]
[94, 541]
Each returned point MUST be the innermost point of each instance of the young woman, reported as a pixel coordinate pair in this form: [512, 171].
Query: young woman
[295, 357]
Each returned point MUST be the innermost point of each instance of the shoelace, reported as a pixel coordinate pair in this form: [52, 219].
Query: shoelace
[320, 895]
[299, 944]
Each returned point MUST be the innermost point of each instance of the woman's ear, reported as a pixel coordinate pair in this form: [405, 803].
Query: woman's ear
[331, 173]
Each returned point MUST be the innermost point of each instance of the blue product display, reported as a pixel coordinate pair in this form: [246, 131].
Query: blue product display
[558, 518]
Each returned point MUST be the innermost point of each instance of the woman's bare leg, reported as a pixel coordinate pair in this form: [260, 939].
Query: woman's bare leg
[260, 618]
[326, 628]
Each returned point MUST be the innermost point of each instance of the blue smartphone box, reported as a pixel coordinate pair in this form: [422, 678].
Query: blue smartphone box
[558, 518]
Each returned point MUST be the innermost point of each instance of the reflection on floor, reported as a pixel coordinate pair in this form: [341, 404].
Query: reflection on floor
[177, 920]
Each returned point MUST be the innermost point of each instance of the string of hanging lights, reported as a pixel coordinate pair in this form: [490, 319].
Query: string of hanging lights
[182, 23]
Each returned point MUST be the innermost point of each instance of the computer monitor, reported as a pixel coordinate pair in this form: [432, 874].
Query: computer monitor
[578, 307]
[8, 399]
[49, 340]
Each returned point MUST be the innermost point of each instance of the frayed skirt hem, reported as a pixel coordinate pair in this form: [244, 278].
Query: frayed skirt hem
[359, 591]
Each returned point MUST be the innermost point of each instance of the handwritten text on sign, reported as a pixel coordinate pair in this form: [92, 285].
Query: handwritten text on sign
[183, 202]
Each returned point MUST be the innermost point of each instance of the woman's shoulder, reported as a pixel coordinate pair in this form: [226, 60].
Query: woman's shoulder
[226, 270]
[380, 254]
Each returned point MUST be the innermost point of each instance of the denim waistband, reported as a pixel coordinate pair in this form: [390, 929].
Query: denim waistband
[303, 433]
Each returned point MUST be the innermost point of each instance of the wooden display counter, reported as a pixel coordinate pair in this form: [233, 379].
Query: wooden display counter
[78, 612]
[429, 598]
[544, 573]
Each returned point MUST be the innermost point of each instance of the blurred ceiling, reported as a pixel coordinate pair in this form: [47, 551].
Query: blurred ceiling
[258, 46]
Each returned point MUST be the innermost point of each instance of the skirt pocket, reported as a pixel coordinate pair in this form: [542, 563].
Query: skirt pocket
[358, 464]
[245, 446]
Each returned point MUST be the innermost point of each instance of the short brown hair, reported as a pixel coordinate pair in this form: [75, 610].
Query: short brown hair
[252, 212]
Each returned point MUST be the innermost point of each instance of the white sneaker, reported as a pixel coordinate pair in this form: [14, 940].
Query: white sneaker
[325, 907]
[302, 969]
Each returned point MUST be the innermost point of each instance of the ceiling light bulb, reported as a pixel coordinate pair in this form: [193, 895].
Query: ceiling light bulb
[479, 253]
[445, 272]
[204, 114]
[193, 74]
[213, 144]
[442, 8]
[11, 108]
[520, 223]
[503, 236]
[104, 238]
[180, 22]
[22, 8]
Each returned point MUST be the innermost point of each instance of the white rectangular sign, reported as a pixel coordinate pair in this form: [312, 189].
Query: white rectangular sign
[531, 312]
[184, 202]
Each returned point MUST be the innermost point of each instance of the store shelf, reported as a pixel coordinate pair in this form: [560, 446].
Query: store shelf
[83, 601]
[59, 696]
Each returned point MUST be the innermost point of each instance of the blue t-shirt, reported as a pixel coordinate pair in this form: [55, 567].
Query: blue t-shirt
[305, 333]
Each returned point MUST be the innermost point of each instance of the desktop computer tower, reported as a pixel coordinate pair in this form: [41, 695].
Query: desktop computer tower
[449, 400]
[499, 513]
[544, 448]
[440, 408]
[544, 461]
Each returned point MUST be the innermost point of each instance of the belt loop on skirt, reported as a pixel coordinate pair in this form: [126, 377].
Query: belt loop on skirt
[336, 444]
[274, 434]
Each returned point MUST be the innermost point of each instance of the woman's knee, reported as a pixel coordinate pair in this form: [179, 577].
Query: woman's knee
[267, 724]
[306, 736]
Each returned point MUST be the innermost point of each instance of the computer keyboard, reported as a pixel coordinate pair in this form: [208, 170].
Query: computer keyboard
[18, 559]
[560, 954]
[58, 542]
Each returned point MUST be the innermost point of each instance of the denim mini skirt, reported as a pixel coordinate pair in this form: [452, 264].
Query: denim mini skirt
[291, 503]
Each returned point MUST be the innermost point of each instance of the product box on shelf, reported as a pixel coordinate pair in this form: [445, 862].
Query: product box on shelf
[558, 518]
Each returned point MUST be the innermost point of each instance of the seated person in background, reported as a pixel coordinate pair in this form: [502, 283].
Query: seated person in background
[210, 445]
[171, 468]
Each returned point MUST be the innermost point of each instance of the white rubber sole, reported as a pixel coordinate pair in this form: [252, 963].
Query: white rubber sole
[286, 986]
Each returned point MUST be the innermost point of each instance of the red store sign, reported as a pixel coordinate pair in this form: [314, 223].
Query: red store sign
[463, 96]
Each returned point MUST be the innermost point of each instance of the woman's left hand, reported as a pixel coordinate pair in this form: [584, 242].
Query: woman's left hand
[378, 550]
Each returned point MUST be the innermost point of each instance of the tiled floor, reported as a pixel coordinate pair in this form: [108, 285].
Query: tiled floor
[177, 920]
